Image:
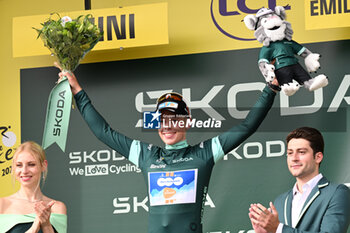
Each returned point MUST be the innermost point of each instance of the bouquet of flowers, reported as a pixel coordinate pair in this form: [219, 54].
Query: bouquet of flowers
[69, 40]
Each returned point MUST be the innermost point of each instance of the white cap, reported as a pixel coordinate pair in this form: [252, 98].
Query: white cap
[263, 11]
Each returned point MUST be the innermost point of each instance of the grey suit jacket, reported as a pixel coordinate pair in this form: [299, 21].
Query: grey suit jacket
[327, 209]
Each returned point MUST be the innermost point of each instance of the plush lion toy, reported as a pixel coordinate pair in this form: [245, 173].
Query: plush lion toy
[277, 56]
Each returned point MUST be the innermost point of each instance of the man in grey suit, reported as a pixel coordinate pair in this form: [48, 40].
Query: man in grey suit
[314, 204]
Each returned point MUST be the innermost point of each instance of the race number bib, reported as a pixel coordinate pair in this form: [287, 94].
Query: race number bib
[175, 187]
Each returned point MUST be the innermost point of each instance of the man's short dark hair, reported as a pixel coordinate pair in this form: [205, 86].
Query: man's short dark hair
[312, 135]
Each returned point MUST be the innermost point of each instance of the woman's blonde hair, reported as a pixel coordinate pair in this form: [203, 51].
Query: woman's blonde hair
[36, 151]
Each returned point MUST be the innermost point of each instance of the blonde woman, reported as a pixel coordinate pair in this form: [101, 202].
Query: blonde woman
[29, 210]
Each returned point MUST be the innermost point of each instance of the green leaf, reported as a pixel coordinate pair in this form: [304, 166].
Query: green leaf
[69, 43]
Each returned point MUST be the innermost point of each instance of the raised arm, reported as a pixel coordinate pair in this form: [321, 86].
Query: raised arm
[73, 81]
[239, 133]
[96, 122]
[229, 140]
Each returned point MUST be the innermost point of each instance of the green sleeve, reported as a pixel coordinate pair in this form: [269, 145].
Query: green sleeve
[59, 222]
[237, 134]
[297, 48]
[10, 220]
[264, 55]
[101, 128]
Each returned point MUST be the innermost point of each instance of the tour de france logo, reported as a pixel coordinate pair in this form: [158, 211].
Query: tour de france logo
[227, 16]
[8, 138]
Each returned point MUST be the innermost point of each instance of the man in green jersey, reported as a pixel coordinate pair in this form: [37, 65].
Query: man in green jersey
[177, 176]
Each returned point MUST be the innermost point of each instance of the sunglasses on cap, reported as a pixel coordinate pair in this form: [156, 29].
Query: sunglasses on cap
[171, 95]
[173, 101]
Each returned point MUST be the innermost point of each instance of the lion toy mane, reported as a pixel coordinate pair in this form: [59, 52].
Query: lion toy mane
[277, 56]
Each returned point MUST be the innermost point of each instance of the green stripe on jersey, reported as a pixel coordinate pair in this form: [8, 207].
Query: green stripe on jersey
[134, 153]
[216, 148]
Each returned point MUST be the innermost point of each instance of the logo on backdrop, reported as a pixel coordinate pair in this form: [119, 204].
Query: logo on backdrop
[128, 204]
[339, 97]
[227, 16]
[321, 14]
[99, 163]
[8, 140]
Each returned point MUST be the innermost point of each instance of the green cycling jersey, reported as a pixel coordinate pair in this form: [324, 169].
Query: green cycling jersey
[177, 176]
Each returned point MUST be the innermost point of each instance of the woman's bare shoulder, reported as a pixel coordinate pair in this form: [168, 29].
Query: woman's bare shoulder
[5, 203]
[58, 207]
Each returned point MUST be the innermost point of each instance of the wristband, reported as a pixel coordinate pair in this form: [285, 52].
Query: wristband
[274, 87]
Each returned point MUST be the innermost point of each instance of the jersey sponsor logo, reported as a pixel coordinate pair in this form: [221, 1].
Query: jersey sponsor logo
[173, 187]
[182, 160]
[160, 160]
[153, 166]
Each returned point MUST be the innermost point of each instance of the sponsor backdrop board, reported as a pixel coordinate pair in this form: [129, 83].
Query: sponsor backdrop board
[146, 30]
[135, 26]
[106, 193]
